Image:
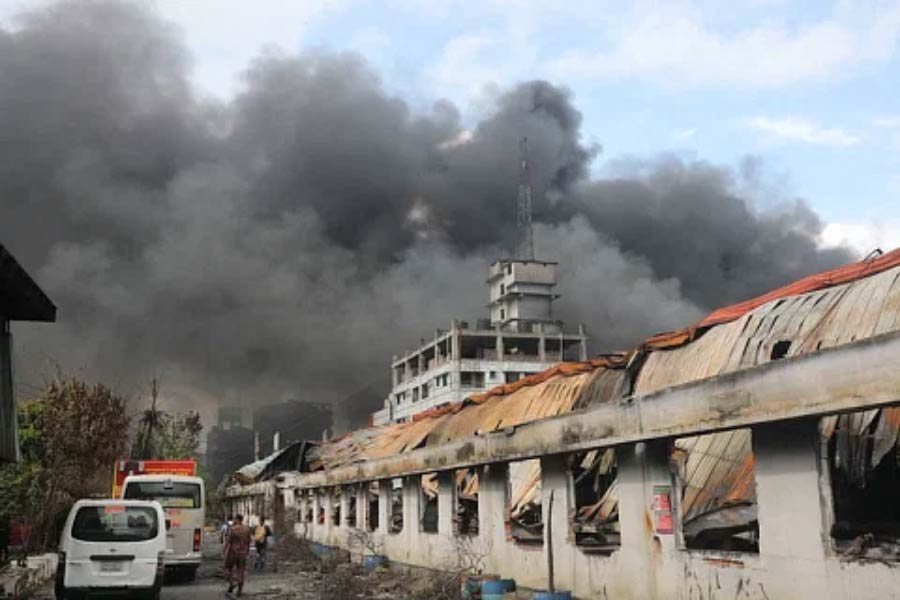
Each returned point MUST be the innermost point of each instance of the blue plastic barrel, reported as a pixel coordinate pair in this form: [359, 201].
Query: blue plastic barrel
[552, 596]
[493, 590]
[471, 589]
[373, 561]
[497, 588]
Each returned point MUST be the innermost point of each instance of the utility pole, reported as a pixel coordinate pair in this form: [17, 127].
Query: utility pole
[525, 241]
[152, 417]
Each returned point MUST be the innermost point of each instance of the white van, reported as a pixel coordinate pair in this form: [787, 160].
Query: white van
[183, 500]
[111, 546]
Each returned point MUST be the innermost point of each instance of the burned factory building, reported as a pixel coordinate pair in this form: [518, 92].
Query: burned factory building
[753, 448]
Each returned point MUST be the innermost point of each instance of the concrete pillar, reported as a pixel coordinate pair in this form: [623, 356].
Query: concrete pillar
[492, 511]
[384, 505]
[643, 469]
[362, 499]
[792, 536]
[412, 489]
[542, 346]
[582, 346]
[500, 349]
[446, 502]
[555, 503]
[454, 342]
[420, 358]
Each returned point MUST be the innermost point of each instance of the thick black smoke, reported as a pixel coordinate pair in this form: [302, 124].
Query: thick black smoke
[289, 241]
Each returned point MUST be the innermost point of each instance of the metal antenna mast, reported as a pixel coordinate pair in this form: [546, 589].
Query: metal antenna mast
[525, 242]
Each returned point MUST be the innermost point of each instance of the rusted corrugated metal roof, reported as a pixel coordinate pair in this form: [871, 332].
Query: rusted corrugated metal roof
[824, 310]
[804, 323]
[716, 470]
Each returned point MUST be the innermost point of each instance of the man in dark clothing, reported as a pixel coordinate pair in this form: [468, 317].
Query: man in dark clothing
[237, 547]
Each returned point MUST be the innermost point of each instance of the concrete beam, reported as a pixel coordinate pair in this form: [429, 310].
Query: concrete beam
[857, 376]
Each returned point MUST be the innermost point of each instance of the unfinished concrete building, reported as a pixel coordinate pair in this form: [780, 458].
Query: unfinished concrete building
[753, 454]
[520, 338]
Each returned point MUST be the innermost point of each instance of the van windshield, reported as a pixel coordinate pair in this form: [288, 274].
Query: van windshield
[170, 494]
[115, 523]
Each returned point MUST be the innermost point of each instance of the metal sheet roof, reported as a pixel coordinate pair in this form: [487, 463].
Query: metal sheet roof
[20, 297]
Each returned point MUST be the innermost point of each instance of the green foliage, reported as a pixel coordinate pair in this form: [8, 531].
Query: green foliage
[69, 438]
[167, 435]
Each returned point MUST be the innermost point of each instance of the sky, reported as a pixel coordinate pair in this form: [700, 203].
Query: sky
[670, 143]
[808, 88]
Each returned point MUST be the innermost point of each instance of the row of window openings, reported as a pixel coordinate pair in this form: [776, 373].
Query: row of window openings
[475, 379]
[714, 483]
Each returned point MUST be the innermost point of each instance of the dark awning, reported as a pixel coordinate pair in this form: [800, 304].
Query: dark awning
[20, 297]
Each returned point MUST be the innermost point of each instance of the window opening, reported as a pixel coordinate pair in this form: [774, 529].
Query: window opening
[428, 503]
[336, 506]
[372, 495]
[466, 518]
[717, 478]
[351, 508]
[396, 523]
[595, 521]
[863, 450]
[525, 515]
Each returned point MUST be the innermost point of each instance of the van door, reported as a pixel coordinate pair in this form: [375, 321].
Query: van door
[113, 545]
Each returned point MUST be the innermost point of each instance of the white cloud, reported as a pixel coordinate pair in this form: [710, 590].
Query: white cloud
[799, 129]
[224, 35]
[886, 121]
[681, 50]
[862, 237]
[683, 135]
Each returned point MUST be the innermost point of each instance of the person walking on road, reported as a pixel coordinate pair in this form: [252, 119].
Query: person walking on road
[237, 547]
[226, 525]
[261, 536]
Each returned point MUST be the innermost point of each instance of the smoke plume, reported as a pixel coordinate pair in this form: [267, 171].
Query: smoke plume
[288, 241]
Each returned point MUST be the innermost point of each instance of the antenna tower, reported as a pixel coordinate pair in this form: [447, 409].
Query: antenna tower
[525, 241]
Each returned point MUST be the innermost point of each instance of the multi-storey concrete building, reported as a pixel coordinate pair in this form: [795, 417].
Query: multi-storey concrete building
[520, 337]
